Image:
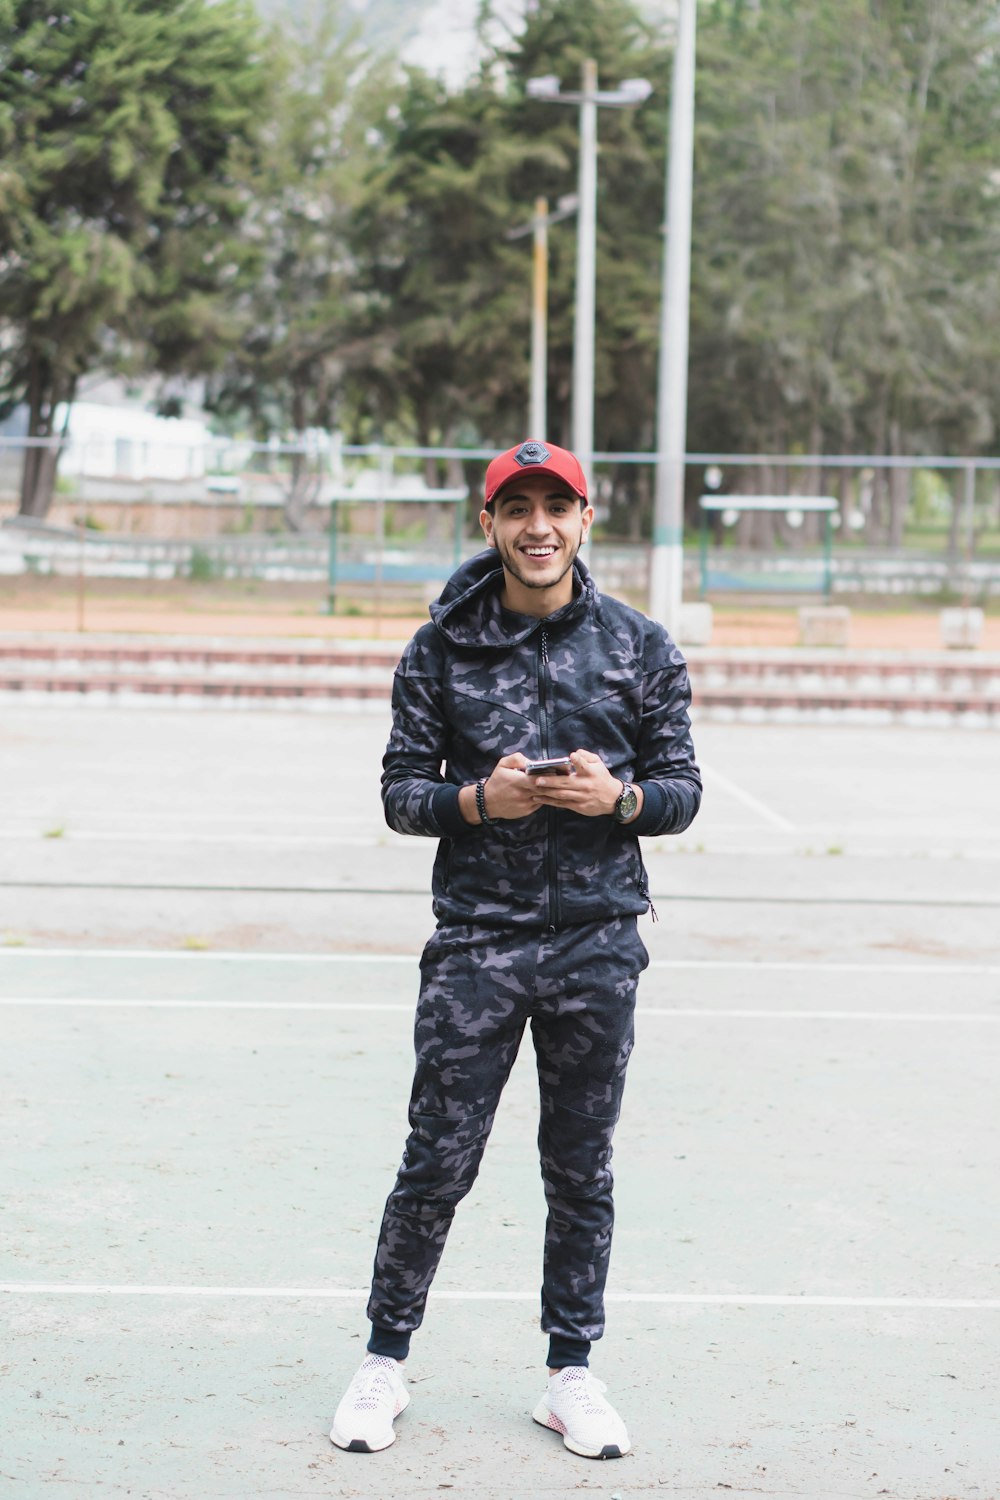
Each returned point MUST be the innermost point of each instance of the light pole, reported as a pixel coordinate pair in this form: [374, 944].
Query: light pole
[539, 230]
[632, 92]
[667, 558]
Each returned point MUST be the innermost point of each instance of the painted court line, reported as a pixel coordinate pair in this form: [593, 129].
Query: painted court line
[749, 800]
[702, 1299]
[213, 840]
[708, 965]
[361, 1007]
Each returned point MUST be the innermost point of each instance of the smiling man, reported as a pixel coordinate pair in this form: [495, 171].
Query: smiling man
[538, 883]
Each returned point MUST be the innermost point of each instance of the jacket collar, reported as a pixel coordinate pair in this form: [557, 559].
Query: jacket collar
[469, 612]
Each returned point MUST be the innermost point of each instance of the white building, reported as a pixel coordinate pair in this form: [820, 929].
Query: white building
[126, 442]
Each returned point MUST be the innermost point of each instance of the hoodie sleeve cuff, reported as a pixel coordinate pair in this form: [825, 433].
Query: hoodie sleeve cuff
[654, 809]
[447, 812]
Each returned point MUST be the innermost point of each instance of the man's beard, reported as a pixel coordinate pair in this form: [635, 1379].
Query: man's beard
[509, 558]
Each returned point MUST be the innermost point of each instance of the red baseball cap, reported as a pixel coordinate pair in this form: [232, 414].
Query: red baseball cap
[534, 457]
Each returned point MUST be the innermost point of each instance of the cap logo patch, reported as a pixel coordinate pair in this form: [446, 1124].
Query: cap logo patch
[532, 453]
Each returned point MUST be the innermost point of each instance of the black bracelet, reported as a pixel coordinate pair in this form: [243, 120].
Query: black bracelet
[481, 803]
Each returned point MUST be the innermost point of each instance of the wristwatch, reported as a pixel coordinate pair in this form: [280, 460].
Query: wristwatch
[627, 803]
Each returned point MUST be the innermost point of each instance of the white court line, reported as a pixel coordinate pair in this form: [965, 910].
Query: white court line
[210, 955]
[749, 800]
[702, 1299]
[66, 811]
[84, 1002]
[362, 1007]
[262, 840]
[720, 965]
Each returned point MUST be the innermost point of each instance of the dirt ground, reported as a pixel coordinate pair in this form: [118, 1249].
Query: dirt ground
[247, 609]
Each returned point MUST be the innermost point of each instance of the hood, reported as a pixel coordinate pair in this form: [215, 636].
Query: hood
[469, 613]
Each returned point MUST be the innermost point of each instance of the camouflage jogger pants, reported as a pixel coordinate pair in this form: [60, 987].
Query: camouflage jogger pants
[479, 987]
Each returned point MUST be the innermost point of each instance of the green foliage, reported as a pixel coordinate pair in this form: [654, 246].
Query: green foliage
[325, 237]
[301, 313]
[846, 234]
[932, 498]
[201, 567]
[119, 120]
[451, 295]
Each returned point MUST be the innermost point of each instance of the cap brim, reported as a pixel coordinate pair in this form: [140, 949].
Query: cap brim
[531, 473]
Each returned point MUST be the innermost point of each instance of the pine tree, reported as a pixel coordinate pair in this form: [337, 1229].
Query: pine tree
[119, 120]
[302, 311]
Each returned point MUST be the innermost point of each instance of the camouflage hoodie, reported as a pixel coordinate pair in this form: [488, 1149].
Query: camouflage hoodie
[480, 682]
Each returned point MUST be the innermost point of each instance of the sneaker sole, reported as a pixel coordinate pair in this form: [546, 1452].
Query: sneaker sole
[362, 1445]
[545, 1418]
[358, 1445]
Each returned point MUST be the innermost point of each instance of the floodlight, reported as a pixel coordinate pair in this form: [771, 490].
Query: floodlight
[636, 90]
[542, 88]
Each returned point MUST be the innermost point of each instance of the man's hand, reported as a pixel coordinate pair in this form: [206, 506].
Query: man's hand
[508, 792]
[592, 790]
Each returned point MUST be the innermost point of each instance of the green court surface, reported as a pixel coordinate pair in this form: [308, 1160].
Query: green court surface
[205, 1009]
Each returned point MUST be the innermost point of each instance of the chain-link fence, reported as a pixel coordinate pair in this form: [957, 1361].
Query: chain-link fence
[340, 523]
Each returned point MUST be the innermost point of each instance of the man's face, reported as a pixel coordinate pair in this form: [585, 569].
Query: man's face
[537, 526]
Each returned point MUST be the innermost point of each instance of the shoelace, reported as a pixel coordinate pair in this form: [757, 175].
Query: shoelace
[371, 1387]
[587, 1393]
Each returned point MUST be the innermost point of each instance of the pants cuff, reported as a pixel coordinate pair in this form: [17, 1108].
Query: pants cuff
[388, 1342]
[564, 1351]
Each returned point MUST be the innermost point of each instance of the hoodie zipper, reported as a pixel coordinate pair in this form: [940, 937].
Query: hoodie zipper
[644, 889]
[552, 855]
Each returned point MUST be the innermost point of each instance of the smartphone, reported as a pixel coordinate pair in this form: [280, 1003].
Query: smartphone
[561, 765]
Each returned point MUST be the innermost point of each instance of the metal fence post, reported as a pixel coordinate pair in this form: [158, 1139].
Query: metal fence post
[331, 586]
[970, 530]
[970, 511]
[459, 506]
[385, 465]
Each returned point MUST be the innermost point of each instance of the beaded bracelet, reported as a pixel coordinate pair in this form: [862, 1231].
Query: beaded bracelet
[481, 803]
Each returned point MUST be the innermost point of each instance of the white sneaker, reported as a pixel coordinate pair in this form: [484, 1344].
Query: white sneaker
[574, 1405]
[372, 1402]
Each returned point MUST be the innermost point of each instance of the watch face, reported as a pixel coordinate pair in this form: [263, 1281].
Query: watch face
[627, 803]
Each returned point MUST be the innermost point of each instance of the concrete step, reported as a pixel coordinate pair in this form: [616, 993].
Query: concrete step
[859, 672]
[761, 684]
[131, 657]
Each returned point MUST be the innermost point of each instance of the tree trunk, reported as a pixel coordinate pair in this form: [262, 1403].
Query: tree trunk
[877, 528]
[303, 485]
[811, 530]
[763, 530]
[47, 389]
[899, 490]
[639, 505]
[879, 516]
[845, 497]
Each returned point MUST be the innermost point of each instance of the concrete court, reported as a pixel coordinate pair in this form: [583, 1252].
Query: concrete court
[191, 1171]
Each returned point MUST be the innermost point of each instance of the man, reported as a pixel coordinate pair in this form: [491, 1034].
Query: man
[537, 884]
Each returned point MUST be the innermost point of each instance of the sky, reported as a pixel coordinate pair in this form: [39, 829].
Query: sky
[445, 40]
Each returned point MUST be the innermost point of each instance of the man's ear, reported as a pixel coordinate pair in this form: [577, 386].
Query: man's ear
[486, 522]
[588, 519]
